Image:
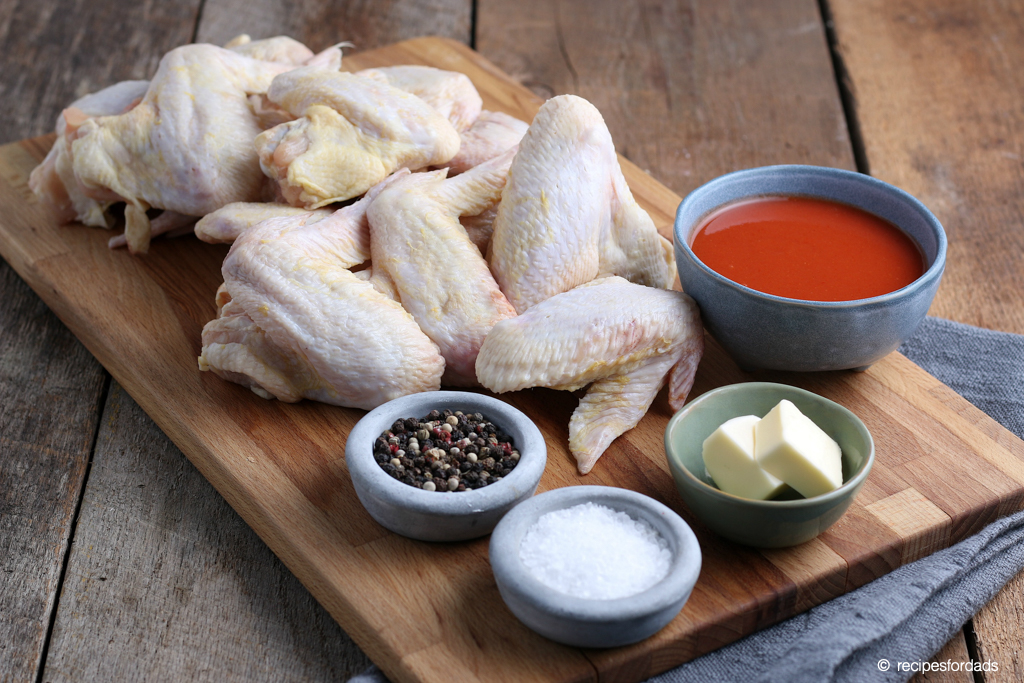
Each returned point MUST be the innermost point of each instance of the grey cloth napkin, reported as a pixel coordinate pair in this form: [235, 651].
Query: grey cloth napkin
[909, 614]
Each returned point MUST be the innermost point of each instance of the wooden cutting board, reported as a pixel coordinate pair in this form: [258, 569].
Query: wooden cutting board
[431, 612]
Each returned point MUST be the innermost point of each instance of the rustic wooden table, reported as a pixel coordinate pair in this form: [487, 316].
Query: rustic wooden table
[120, 562]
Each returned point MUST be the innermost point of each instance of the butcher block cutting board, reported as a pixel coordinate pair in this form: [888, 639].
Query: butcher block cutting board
[431, 612]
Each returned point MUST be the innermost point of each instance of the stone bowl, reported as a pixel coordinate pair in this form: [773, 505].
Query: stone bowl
[764, 523]
[772, 332]
[582, 622]
[432, 515]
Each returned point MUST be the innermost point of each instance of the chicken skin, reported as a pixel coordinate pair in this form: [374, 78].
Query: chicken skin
[440, 276]
[238, 350]
[300, 324]
[451, 93]
[490, 135]
[186, 147]
[567, 215]
[54, 182]
[224, 225]
[281, 49]
[621, 338]
[352, 132]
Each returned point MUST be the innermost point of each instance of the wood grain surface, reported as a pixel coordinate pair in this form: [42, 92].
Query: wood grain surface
[56, 52]
[998, 630]
[185, 589]
[50, 386]
[50, 389]
[911, 63]
[365, 25]
[689, 91]
[277, 464]
[936, 90]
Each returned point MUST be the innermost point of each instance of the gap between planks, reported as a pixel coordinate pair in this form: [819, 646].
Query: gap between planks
[59, 589]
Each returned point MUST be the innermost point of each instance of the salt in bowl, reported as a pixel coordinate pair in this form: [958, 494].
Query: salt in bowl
[582, 622]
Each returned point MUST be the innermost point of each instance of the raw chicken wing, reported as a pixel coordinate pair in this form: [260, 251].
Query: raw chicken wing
[281, 49]
[567, 215]
[228, 222]
[451, 93]
[621, 338]
[301, 325]
[170, 223]
[440, 276]
[186, 147]
[54, 182]
[490, 135]
[236, 349]
[286, 51]
[352, 133]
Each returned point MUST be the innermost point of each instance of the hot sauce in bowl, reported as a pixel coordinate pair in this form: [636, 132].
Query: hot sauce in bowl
[801, 330]
[807, 248]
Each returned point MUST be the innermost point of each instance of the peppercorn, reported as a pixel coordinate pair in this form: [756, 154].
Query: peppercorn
[445, 451]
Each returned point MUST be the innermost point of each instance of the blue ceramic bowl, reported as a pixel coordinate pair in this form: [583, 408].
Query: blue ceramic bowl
[583, 622]
[433, 516]
[772, 332]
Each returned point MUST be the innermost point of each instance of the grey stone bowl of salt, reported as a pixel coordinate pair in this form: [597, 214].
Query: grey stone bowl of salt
[448, 516]
[594, 566]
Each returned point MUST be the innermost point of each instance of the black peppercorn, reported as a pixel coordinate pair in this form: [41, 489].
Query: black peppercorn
[445, 451]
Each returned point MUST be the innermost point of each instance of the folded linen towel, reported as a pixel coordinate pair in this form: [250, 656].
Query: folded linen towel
[909, 614]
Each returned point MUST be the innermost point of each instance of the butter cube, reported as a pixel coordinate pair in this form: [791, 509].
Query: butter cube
[729, 459]
[788, 445]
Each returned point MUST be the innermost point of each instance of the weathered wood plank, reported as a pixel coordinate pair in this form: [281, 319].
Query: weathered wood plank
[364, 24]
[1000, 635]
[953, 651]
[50, 389]
[58, 50]
[936, 87]
[689, 91]
[166, 582]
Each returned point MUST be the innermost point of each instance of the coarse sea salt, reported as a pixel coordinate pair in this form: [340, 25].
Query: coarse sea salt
[591, 551]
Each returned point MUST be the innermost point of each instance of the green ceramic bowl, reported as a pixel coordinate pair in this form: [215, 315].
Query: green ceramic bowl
[764, 523]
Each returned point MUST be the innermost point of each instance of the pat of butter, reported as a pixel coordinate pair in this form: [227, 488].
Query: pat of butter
[729, 459]
[788, 445]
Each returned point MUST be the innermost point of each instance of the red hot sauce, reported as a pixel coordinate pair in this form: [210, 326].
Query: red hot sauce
[806, 248]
